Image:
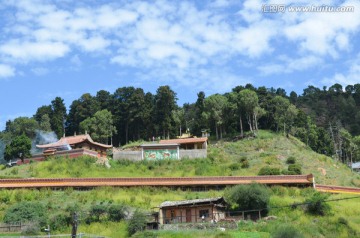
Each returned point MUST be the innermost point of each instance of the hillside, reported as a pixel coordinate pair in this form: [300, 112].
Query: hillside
[224, 159]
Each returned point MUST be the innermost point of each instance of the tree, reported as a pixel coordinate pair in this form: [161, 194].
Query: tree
[44, 123]
[137, 222]
[165, 103]
[19, 147]
[316, 204]
[58, 116]
[285, 113]
[100, 126]
[214, 110]
[117, 212]
[250, 103]
[26, 212]
[84, 107]
[248, 197]
[22, 125]
[130, 111]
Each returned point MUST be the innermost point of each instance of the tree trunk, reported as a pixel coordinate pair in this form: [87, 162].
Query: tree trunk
[217, 133]
[126, 132]
[241, 128]
[249, 122]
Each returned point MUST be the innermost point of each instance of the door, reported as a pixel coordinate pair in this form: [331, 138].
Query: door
[188, 215]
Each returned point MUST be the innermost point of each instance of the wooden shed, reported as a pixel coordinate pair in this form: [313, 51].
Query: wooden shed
[197, 210]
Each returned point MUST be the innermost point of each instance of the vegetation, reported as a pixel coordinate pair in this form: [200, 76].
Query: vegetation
[137, 222]
[248, 197]
[316, 204]
[25, 211]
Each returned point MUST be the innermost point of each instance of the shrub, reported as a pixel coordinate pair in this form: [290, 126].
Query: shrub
[234, 166]
[294, 168]
[117, 212]
[26, 211]
[248, 197]
[137, 222]
[267, 170]
[245, 164]
[31, 229]
[316, 204]
[291, 160]
[286, 231]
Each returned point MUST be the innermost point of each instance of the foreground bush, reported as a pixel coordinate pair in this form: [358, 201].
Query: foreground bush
[26, 212]
[316, 204]
[248, 197]
[137, 222]
[286, 231]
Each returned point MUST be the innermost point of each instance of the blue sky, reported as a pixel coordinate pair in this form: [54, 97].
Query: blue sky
[67, 48]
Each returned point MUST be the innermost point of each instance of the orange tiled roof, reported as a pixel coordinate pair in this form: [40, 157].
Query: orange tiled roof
[184, 141]
[71, 140]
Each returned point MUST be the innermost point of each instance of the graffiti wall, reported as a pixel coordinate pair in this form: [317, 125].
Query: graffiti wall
[160, 154]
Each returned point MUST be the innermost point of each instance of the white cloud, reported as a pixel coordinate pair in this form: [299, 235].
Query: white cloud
[289, 65]
[39, 51]
[6, 71]
[350, 77]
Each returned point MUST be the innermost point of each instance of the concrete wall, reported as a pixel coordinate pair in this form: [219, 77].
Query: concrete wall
[193, 154]
[130, 155]
[136, 155]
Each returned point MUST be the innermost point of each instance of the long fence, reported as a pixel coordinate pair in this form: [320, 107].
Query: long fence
[305, 180]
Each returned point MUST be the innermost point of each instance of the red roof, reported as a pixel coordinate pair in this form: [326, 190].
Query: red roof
[72, 140]
[184, 141]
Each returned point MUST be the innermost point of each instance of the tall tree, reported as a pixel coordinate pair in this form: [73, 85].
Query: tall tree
[80, 109]
[215, 105]
[19, 147]
[165, 103]
[285, 113]
[250, 103]
[44, 123]
[58, 116]
[100, 126]
[22, 125]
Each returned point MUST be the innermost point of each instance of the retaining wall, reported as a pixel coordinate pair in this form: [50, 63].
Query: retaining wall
[136, 155]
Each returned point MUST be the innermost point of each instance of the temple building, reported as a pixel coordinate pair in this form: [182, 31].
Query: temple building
[81, 143]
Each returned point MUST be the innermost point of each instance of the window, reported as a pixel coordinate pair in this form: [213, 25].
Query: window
[204, 213]
[172, 214]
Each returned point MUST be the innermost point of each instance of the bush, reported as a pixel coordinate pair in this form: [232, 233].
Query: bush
[234, 166]
[286, 231]
[245, 164]
[316, 204]
[117, 212]
[137, 222]
[294, 168]
[291, 160]
[267, 170]
[248, 197]
[26, 211]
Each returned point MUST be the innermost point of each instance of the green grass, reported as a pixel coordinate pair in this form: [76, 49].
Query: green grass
[223, 157]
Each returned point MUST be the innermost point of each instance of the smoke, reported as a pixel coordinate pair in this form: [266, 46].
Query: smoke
[2, 150]
[41, 138]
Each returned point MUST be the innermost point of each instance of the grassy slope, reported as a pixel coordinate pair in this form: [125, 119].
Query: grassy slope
[267, 149]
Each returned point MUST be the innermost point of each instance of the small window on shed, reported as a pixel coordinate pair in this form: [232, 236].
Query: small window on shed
[204, 213]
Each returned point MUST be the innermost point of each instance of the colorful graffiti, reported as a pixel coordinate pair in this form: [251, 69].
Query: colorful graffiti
[160, 154]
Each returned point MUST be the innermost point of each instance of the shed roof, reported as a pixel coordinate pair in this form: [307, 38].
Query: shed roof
[190, 202]
[72, 140]
[184, 141]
